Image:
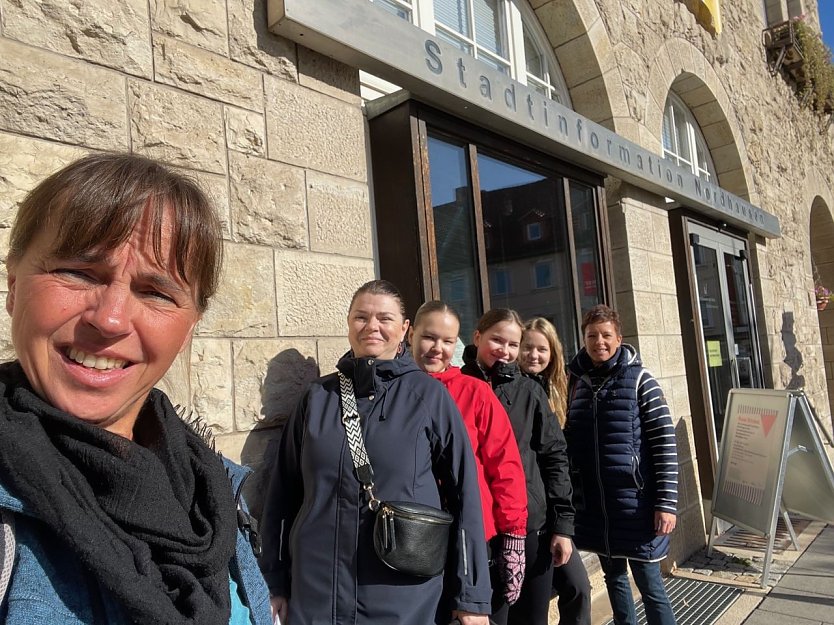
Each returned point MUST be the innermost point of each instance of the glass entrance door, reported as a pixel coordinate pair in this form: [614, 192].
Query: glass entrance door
[731, 355]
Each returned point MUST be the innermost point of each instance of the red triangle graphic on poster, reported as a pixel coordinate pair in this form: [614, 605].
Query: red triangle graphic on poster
[768, 419]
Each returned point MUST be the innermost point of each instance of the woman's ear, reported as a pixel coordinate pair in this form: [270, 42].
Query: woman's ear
[410, 335]
[10, 281]
[190, 335]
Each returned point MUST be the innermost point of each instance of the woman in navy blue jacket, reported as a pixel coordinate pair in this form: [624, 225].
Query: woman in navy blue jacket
[319, 560]
[624, 467]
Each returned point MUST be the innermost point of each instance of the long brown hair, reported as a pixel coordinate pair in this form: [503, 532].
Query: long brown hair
[556, 382]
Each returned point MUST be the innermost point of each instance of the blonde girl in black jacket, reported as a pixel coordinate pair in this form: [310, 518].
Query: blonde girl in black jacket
[542, 359]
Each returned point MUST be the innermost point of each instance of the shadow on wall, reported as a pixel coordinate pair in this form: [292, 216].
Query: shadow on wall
[690, 534]
[267, 43]
[288, 376]
[793, 357]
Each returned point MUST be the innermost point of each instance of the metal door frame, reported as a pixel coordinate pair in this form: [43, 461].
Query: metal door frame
[722, 243]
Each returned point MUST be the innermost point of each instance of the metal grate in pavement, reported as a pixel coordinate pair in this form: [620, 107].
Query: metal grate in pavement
[694, 602]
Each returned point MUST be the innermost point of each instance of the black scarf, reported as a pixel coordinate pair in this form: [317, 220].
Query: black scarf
[153, 519]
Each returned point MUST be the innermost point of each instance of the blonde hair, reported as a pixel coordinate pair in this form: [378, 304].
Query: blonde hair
[556, 382]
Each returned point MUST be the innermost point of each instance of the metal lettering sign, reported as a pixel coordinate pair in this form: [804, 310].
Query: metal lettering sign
[367, 37]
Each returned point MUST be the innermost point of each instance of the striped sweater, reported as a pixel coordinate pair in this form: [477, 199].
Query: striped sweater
[621, 442]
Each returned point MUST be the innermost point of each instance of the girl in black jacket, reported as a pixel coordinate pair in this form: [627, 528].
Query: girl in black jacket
[543, 454]
[542, 359]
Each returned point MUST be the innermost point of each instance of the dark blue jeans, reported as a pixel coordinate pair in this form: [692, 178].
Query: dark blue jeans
[649, 583]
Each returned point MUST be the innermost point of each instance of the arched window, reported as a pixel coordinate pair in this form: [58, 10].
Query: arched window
[505, 34]
[683, 141]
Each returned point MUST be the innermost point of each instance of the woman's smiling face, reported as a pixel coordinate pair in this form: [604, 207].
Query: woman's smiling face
[433, 341]
[498, 343]
[95, 334]
[376, 326]
[602, 341]
[535, 352]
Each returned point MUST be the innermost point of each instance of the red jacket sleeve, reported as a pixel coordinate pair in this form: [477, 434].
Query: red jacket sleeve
[504, 474]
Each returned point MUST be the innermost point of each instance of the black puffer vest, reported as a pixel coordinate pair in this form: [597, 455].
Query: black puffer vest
[611, 462]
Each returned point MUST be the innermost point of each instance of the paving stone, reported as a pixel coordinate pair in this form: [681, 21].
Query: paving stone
[793, 602]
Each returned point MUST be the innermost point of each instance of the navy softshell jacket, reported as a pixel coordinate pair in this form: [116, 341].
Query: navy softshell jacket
[318, 548]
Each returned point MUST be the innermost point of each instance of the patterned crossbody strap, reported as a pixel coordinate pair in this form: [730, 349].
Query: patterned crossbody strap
[356, 442]
[7, 550]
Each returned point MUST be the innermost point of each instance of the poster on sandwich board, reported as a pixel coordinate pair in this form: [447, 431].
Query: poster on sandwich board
[771, 462]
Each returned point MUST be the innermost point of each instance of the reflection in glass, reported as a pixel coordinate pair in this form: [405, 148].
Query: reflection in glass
[454, 231]
[400, 8]
[585, 239]
[455, 41]
[533, 56]
[743, 331]
[711, 304]
[517, 203]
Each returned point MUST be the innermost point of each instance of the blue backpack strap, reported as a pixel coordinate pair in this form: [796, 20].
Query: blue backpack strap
[7, 552]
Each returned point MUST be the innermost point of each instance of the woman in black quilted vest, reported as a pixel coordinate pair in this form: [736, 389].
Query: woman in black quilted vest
[621, 443]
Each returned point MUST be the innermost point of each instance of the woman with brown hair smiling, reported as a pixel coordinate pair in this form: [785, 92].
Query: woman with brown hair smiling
[121, 513]
[320, 557]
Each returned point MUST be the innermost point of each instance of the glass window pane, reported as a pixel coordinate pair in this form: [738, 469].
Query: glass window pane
[397, 8]
[454, 14]
[742, 320]
[533, 56]
[585, 239]
[544, 91]
[684, 150]
[454, 231]
[489, 26]
[711, 303]
[499, 282]
[450, 38]
[544, 275]
[500, 65]
[668, 135]
[513, 197]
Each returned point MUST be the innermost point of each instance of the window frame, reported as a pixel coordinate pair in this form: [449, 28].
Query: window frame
[529, 236]
[694, 137]
[517, 14]
[406, 238]
[542, 263]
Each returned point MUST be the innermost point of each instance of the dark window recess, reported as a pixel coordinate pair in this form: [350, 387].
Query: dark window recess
[480, 222]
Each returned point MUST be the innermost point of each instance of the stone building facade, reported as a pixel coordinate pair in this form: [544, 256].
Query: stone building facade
[282, 136]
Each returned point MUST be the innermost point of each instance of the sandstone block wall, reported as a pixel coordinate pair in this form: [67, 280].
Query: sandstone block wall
[787, 157]
[273, 131]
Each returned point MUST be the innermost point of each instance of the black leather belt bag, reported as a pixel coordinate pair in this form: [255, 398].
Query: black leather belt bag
[411, 537]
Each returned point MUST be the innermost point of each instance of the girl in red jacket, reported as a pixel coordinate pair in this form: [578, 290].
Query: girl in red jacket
[503, 492]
